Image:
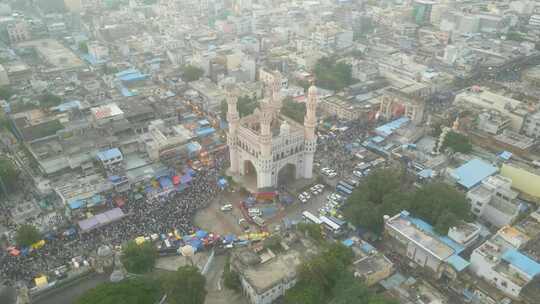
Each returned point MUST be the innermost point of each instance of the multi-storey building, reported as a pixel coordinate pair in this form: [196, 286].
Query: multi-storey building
[494, 201]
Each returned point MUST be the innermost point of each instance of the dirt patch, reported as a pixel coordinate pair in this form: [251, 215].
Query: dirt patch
[214, 220]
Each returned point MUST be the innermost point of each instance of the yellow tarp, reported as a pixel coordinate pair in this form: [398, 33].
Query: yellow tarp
[39, 244]
[41, 281]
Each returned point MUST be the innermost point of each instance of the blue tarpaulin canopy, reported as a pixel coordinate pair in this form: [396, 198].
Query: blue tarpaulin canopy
[193, 147]
[205, 131]
[505, 155]
[348, 242]
[76, 204]
[229, 238]
[186, 178]
[109, 154]
[165, 182]
[196, 244]
[222, 183]
[201, 234]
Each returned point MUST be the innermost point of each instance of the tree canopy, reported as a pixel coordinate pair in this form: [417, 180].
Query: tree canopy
[245, 105]
[192, 73]
[332, 75]
[325, 278]
[129, 291]
[83, 47]
[294, 110]
[231, 279]
[318, 275]
[185, 286]
[48, 100]
[457, 142]
[441, 205]
[139, 258]
[9, 175]
[382, 193]
[379, 194]
[27, 235]
[312, 230]
[6, 92]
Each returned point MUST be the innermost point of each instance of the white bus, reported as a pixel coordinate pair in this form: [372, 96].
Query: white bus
[309, 217]
[331, 225]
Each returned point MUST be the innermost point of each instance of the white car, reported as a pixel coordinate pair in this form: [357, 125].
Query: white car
[358, 174]
[306, 195]
[332, 174]
[254, 212]
[227, 207]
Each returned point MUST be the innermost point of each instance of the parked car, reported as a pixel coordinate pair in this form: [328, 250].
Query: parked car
[227, 207]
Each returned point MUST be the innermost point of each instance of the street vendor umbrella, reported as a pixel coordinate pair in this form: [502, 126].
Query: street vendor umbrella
[187, 251]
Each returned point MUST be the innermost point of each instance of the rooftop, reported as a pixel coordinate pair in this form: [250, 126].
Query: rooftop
[473, 173]
[423, 235]
[522, 262]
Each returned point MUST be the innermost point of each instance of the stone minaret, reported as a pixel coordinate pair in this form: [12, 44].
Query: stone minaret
[310, 140]
[233, 119]
[265, 166]
[275, 91]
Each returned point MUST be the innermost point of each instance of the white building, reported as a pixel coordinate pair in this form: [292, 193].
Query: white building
[266, 143]
[4, 79]
[18, 31]
[499, 262]
[531, 126]
[415, 239]
[464, 233]
[162, 139]
[480, 98]
[331, 36]
[494, 201]
[534, 21]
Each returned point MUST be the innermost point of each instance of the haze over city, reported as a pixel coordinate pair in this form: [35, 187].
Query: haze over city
[269, 151]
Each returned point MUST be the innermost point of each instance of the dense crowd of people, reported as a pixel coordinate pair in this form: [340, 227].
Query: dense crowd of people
[143, 218]
[331, 150]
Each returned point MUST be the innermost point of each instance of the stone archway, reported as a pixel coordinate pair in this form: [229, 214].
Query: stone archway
[249, 169]
[286, 175]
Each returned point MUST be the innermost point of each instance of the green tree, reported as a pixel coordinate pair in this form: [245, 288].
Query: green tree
[349, 290]
[245, 106]
[294, 110]
[191, 73]
[319, 275]
[314, 231]
[457, 142]
[304, 293]
[27, 235]
[9, 175]
[185, 286]
[48, 100]
[381, 193]
[273, 243]
[6, 92]
[130, 291]
[139, 258]
[441, 205]
[83, 47]
[332, 75]
[231, 279]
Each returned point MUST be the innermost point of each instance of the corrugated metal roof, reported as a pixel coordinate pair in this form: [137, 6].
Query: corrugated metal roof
[473, 173]
[522, 262]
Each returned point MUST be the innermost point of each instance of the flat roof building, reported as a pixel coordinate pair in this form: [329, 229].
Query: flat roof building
[415, 239]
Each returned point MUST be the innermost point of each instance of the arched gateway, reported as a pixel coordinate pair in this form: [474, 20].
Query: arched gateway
[269, 141]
